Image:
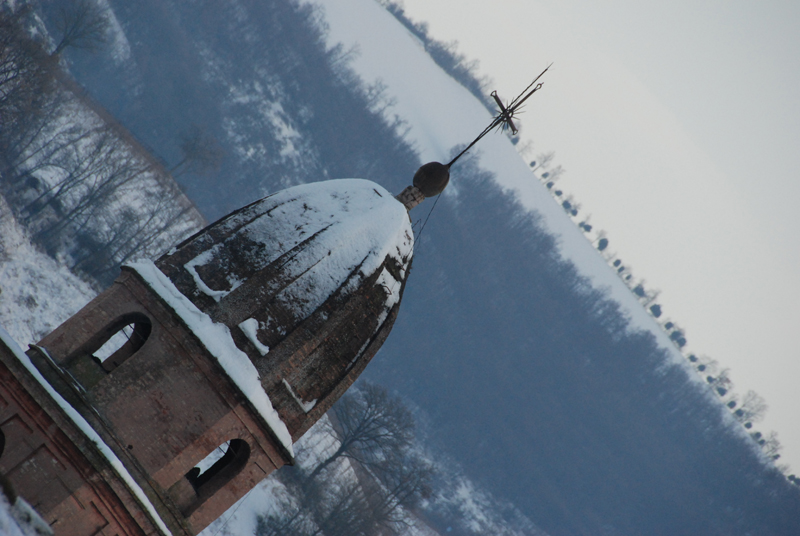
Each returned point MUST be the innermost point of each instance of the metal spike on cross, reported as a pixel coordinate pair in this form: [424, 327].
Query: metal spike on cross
[506, 116]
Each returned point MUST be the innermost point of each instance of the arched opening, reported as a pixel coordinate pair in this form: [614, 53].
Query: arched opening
[216, 470]
[124, 338]
[108, 349]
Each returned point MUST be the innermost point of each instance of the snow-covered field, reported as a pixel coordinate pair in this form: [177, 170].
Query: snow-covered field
[19, 519]
[37, 293]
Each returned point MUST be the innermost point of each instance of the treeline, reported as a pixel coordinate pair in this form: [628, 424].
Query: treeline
[84, 189]
[747, 409]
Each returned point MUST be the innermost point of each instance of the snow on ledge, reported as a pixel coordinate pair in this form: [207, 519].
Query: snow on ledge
[89, 432]
[250, 328]
[307, 406]
[191, 267]
[217, 339]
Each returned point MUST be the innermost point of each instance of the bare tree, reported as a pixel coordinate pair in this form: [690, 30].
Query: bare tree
[83, 24]
[201, 153]
[543, 162]
[26, 74]
[721, 383]
[368, 496]
[752, 408]
[373, 502]
[370, 424]
[400, 483]
[552, 175]
[335, 507]
[771, 446]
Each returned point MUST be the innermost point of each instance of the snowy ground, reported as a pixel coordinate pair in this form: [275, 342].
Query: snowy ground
[20, 519]
[37, 293]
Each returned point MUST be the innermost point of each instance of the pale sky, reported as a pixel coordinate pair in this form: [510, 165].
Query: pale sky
[676, 123]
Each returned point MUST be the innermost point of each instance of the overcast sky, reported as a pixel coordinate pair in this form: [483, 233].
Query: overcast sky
[677, 124]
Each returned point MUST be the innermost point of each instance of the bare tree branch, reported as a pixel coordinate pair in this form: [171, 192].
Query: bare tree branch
[83, 24]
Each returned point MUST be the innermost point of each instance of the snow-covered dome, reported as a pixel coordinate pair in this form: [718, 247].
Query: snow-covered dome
[308, 280]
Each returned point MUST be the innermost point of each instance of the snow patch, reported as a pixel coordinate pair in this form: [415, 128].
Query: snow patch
[215, 455]
[218, 341]
[202, 260]
[37, 293]
[392, 287]
[241, 518]
[261, 99]
[307, 406]
[20, 519]
[250, 328]
[119, 44]
[113, 344]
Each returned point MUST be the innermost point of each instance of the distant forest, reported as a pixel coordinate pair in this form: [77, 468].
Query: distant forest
[529, 377]
[527, 370]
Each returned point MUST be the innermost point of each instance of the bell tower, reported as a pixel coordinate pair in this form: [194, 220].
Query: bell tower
[235, 342]
[175, 391]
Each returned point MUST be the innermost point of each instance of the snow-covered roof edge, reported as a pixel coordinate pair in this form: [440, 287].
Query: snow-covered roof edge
[218, 341]
[89, 432]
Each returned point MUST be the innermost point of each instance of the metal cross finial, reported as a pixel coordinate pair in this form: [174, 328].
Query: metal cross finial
[432, 178]
[505, 115]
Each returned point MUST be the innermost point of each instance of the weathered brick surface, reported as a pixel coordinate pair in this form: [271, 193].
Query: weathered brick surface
[51, 471]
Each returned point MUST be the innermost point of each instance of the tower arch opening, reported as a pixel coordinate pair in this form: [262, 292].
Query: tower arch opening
[215, 471]
[123, 338]
[108, 348]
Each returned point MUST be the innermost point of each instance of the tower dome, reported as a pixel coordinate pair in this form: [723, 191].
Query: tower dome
[308, 282]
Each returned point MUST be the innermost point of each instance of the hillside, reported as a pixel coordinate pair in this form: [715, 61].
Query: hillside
[532, 363]
[80, 184]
